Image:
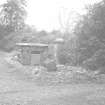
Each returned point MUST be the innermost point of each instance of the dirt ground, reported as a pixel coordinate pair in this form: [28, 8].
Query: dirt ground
[17, 90]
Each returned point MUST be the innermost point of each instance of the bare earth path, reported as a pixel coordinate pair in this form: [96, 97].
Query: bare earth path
[14, 91]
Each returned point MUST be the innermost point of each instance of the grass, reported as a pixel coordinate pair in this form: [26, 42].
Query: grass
[50, 88]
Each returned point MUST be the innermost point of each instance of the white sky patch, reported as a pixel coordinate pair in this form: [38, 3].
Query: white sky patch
[44, 14]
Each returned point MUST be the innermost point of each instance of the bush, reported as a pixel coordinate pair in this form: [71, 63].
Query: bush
[67, 52]
[97, 61]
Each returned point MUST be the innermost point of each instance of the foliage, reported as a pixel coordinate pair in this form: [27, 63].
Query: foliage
[12, 19]
[12, 15]
[88, 47]
[90, 32]
[67, 53]
[97, 61]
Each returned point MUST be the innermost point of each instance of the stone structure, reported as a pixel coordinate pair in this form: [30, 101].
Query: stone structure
[36, 53]
[32, 53]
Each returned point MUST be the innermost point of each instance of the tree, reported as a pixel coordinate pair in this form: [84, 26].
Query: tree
[67, 21]
[13, 14]
[93, 23]
[12, 19]
[90, 31]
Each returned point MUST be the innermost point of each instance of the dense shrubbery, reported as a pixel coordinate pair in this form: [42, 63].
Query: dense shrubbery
[67, 52]
[97, 61]
[91, 37]
[90, 40]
